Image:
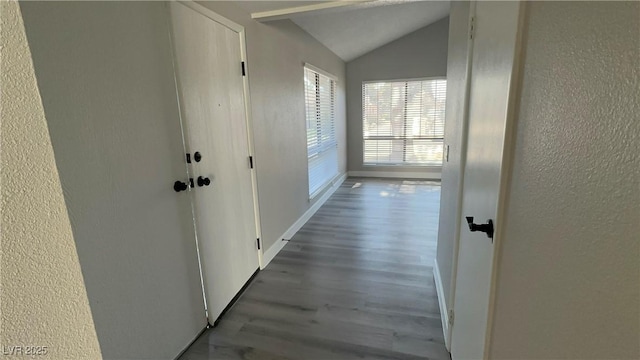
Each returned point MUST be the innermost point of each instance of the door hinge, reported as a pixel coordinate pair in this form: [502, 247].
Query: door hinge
[251, 162]
[244, 71]
[451, 317]
[258, 242]
[472, 27]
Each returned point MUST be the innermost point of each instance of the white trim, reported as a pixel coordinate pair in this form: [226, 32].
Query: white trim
[212, 15]
[320, 71]
[269, 254]
[442, 302]
[312, 210]
[250, 138]
[426, 175]
[324, 187]
[286, 13]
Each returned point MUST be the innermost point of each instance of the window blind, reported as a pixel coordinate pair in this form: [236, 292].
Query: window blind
[322, 152]
[403, 122]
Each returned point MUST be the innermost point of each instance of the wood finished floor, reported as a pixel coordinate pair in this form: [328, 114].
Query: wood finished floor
[354, 283]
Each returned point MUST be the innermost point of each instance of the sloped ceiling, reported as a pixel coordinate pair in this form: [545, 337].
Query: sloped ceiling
[354, 30]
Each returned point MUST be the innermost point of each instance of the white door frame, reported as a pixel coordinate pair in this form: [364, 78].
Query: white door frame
[239, 29]
[463, 161]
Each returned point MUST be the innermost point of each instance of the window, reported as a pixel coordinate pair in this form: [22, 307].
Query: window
[403, 122]
[322, 147]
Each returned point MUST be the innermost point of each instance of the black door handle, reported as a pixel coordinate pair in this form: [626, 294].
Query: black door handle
[180, 186]
[197, 157]
[485, 228]
[203, 181]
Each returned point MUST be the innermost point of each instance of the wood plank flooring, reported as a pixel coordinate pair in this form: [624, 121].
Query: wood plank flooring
[354, 283]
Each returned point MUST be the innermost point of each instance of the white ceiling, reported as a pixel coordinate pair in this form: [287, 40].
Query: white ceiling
[260, 6]
[354, 30]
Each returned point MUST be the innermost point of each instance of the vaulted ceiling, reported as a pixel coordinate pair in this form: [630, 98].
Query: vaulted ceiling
[352, 28]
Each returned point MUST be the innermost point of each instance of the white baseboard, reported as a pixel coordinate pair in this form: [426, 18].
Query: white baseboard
[268, 255]
[444, 310]
[426, 175]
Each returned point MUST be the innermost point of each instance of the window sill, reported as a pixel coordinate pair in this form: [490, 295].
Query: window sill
[323, 188]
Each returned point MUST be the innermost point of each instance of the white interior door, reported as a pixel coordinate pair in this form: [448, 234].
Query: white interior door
[496, 35]
[210, 81]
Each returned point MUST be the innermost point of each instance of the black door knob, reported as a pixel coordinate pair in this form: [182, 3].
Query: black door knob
[179, 186]
[203, 181]
[485, 228]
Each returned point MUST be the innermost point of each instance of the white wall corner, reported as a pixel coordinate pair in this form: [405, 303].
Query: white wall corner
[271, 253]
[442, 302]
[423, 175]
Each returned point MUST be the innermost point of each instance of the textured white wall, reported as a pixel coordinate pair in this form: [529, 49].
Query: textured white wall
[423, 53]
[453, 136]
[276, 54]
[569, 270]
[105, 75]
[42, 292]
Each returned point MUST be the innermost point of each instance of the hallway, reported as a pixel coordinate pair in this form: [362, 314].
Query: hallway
[355, 282]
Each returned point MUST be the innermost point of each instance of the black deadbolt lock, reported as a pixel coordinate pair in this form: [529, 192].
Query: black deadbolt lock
[197, 156]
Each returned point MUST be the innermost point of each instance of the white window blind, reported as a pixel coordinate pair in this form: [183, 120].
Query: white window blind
[322, 152]
[403, 122]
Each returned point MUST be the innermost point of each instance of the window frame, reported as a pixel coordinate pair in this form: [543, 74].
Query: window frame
[402, 164]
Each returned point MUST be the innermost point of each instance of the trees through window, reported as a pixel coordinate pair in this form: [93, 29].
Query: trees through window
[403, 122]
